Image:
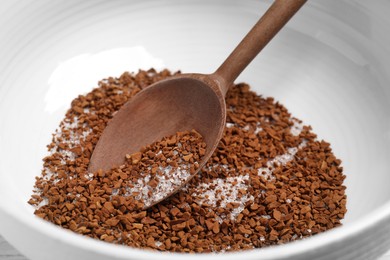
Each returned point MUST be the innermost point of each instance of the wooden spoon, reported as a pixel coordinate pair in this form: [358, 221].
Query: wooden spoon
[187, 101]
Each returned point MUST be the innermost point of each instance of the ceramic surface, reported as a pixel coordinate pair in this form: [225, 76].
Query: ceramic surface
[330, 67]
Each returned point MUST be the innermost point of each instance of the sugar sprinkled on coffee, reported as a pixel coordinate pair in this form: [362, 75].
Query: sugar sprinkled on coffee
[162, 167]
[270, 180]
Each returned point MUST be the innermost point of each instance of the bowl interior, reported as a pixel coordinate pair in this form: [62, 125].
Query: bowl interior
[329, 67]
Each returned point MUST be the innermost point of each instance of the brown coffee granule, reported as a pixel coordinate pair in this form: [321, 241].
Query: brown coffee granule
[270, 180]
[160, 168]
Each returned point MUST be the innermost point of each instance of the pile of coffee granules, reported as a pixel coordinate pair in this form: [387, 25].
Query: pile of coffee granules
[159, 169]
[270, 181]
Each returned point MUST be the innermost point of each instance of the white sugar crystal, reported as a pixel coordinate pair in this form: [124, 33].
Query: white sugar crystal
[229, 125]
[72, 139]
[258, 129]
[68, 155]
[44, 202]
[89, 176]
[280, 160]
[168, 179]
[224, 191]
[48, 174]
[67, 124]
[296, 128]
[266, 173]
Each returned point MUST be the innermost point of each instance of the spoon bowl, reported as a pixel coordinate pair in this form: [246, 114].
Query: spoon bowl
[184, 102]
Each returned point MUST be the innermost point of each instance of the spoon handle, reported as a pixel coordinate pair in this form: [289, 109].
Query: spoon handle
[263, 31]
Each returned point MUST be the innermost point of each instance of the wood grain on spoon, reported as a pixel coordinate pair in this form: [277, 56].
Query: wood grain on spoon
[187, 101]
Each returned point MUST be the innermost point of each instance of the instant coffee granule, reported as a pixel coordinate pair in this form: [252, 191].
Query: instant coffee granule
[270, 180]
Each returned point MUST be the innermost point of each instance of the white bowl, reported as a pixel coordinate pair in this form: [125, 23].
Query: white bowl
[330, 66]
